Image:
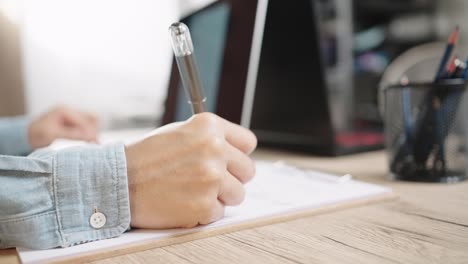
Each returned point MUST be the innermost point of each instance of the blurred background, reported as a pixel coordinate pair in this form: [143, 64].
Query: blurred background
[113, 57]
[110, 57]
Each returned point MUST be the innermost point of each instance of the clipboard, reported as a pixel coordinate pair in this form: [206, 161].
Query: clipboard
[306, 193]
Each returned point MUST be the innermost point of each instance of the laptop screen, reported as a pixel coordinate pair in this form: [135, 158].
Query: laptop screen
[208, 29]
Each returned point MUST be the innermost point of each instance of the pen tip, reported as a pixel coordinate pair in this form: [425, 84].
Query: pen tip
[454, 36]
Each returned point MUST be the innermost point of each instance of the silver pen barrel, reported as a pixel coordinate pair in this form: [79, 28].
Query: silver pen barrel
[188, 69]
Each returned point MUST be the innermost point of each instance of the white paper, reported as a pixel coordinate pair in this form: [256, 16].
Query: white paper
[276, 189]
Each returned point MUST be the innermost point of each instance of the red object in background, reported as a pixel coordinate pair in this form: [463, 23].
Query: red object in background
[355, 139]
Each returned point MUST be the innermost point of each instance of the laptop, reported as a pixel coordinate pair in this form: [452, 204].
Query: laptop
[261, 67]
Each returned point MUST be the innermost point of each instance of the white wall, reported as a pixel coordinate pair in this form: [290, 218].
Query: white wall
[450, 13]
[109, 56]
[187, 6]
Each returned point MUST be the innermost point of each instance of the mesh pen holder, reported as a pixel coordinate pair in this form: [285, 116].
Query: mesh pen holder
[426, 131]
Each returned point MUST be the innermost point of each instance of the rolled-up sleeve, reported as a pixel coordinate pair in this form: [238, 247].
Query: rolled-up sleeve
[49, 198]
[14, 136]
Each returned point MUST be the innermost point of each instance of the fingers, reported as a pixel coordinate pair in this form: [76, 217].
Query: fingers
[213, 214]
[70, 133]
[79, 125]
[93, 126]
[239, 164]
[240, 170]
[237, 143]
[73, 118]
[92, 118]
[240, 137]
[231, 191]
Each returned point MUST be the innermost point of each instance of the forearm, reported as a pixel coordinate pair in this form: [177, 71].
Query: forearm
[14, 136]
[48, 198]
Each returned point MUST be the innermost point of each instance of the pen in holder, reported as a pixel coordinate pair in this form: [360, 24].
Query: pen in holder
[425, 130]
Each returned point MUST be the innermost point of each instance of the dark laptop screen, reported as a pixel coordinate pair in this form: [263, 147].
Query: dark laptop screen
[208, 29]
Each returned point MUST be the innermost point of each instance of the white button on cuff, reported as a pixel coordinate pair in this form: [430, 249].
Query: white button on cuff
[97, 220]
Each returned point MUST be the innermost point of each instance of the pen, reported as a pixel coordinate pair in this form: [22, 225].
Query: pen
[448, 51]
[451, 67]
[460, 67]
[425, 136]
[451, 102]
[407, 115]
[186, 62]
[442, 124]
[465, 72]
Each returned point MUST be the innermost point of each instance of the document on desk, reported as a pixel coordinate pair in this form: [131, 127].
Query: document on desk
[276, 191]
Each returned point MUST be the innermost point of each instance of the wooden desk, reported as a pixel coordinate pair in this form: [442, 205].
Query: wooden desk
[428, 224]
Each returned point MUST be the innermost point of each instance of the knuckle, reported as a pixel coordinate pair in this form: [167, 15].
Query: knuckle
[206, 119]
[209, 135]
[214, 146]
[209, 173]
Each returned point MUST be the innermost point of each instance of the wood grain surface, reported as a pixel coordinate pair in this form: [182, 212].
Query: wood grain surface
[427, 224]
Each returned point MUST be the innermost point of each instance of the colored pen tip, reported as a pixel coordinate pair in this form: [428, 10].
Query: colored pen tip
[451, 66]
[454, 36]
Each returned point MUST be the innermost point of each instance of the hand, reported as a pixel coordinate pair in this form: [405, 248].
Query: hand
[62, 122]
[184, 174]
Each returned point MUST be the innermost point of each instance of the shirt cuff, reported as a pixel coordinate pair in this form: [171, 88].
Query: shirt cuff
[89, 181]
[14, 135]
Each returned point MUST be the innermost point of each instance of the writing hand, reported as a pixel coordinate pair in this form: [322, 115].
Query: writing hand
[183, 174]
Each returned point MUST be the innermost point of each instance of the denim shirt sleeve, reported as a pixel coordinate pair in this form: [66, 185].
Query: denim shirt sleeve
[47, 198]
[13, 136]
